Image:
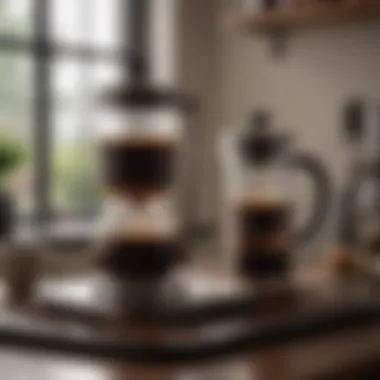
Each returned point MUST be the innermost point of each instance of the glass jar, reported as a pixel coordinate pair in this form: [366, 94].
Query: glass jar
[140, 232]
[139, 151]
[140, 138]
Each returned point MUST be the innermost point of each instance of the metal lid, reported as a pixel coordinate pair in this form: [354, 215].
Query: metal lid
[259, 143]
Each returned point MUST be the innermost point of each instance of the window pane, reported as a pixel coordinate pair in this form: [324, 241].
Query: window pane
[16, 17]
[106, 29]
[86, 22]
[16, 123]
[76, 183]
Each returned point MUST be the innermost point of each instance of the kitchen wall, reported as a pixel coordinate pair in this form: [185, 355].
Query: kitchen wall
[305, 88]
[199, 75]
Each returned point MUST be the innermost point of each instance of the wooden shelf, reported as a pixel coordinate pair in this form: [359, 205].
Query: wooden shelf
[302, 17]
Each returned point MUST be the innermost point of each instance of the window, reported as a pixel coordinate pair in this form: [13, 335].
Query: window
[15, 17]
[16, 94]
[54, 55]
[86, 22]
[76, 186]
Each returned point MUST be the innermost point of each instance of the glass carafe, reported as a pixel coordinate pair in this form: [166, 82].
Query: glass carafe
[140, 144]
[139, 235]
[139, 151]
[258, 230]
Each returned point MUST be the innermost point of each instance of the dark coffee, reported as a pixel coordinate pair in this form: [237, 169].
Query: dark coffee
[373, 244]
[257, 218]
[261, 263]
[140, 256]
[139, 167]
[263, 230]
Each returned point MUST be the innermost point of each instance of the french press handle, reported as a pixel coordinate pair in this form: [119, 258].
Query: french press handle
[321, 199]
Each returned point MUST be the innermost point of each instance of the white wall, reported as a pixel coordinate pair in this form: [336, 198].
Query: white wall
[199, 75]
[306, 88]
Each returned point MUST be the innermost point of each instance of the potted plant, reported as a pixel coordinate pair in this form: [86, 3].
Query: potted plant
[12, 155]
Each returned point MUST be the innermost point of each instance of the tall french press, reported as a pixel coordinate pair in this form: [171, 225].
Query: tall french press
[140, 232]
[259, 236]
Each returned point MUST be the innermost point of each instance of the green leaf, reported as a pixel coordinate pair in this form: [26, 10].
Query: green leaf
[12, 154]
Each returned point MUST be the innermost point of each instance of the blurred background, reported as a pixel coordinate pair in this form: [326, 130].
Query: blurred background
[56, 55]
[55, 58]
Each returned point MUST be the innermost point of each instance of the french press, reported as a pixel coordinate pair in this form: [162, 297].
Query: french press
[140, 234]
[258, 234]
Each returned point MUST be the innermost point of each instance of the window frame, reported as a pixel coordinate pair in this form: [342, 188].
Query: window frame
[44, 51]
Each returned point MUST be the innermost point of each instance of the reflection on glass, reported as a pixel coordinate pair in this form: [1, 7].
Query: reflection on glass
[86, 22]
[15, 17]
[15, 121]
[76, 185]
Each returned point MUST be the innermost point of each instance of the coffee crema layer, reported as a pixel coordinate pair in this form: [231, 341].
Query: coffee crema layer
[257, 217]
